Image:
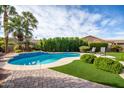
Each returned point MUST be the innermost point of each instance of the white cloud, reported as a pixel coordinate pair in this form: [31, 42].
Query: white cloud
[115, 38]
[120, 33]
[108, 22]
[105, 22]
[65, 21]
[60, 21]
[113, 22]
[94, 17]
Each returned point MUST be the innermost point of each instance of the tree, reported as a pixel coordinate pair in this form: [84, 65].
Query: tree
[15, 27]
[7, 11]
[29, 23]
[22, 27]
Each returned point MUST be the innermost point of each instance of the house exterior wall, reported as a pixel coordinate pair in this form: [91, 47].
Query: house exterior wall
[92, 39]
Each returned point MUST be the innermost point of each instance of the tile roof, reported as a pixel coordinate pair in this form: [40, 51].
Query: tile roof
[96, 39]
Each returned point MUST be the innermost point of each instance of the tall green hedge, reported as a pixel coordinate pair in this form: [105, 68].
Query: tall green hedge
[62, 44]
[98, 45]
[108, 64]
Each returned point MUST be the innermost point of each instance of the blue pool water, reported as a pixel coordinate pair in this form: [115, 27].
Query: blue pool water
[35, 58]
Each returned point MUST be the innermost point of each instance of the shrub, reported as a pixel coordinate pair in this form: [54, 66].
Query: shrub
[18, 51]
[88, 58]
[1, 49]
[16, 47]
[37, 46]
[108, 65]
[98, 45]
[116, 48]
[1, 43]
[84, 48]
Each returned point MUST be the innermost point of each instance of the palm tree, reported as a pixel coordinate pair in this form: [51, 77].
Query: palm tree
[29, 23]
[15, 27]
[22, 26]
[7, 11]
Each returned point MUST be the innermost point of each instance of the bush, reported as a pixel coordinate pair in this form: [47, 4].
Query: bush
[1, 46]
[1, 49]
[18, 51]
[10, 43]
[1, 43]
[37, 46]
[116, 48]
[108, 65]
[16, 47]
[88, 58]
[98, 45]
[84, 48]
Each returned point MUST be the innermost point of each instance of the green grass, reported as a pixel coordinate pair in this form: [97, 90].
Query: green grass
[89, 72]
[119, 55]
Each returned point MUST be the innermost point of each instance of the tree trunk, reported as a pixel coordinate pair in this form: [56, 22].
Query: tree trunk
[27, 46]
[5, 20]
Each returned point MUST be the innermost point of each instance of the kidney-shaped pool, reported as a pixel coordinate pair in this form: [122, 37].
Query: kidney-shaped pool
[35, 58]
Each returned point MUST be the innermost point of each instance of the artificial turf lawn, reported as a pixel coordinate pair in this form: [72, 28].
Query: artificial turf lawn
[119, 55]
[89, 72]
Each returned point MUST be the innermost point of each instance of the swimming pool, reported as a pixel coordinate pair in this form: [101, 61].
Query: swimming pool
[37, 58]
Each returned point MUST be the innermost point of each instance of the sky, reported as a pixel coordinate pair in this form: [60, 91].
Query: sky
[106, 22]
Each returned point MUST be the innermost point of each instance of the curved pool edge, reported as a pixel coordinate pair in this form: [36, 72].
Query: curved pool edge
[60, 62]
[36, 58]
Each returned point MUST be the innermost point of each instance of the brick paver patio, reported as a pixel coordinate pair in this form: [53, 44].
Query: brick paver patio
[46, 78]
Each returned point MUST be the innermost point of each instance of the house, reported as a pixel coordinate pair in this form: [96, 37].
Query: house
[118, 42]
[93, 39]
